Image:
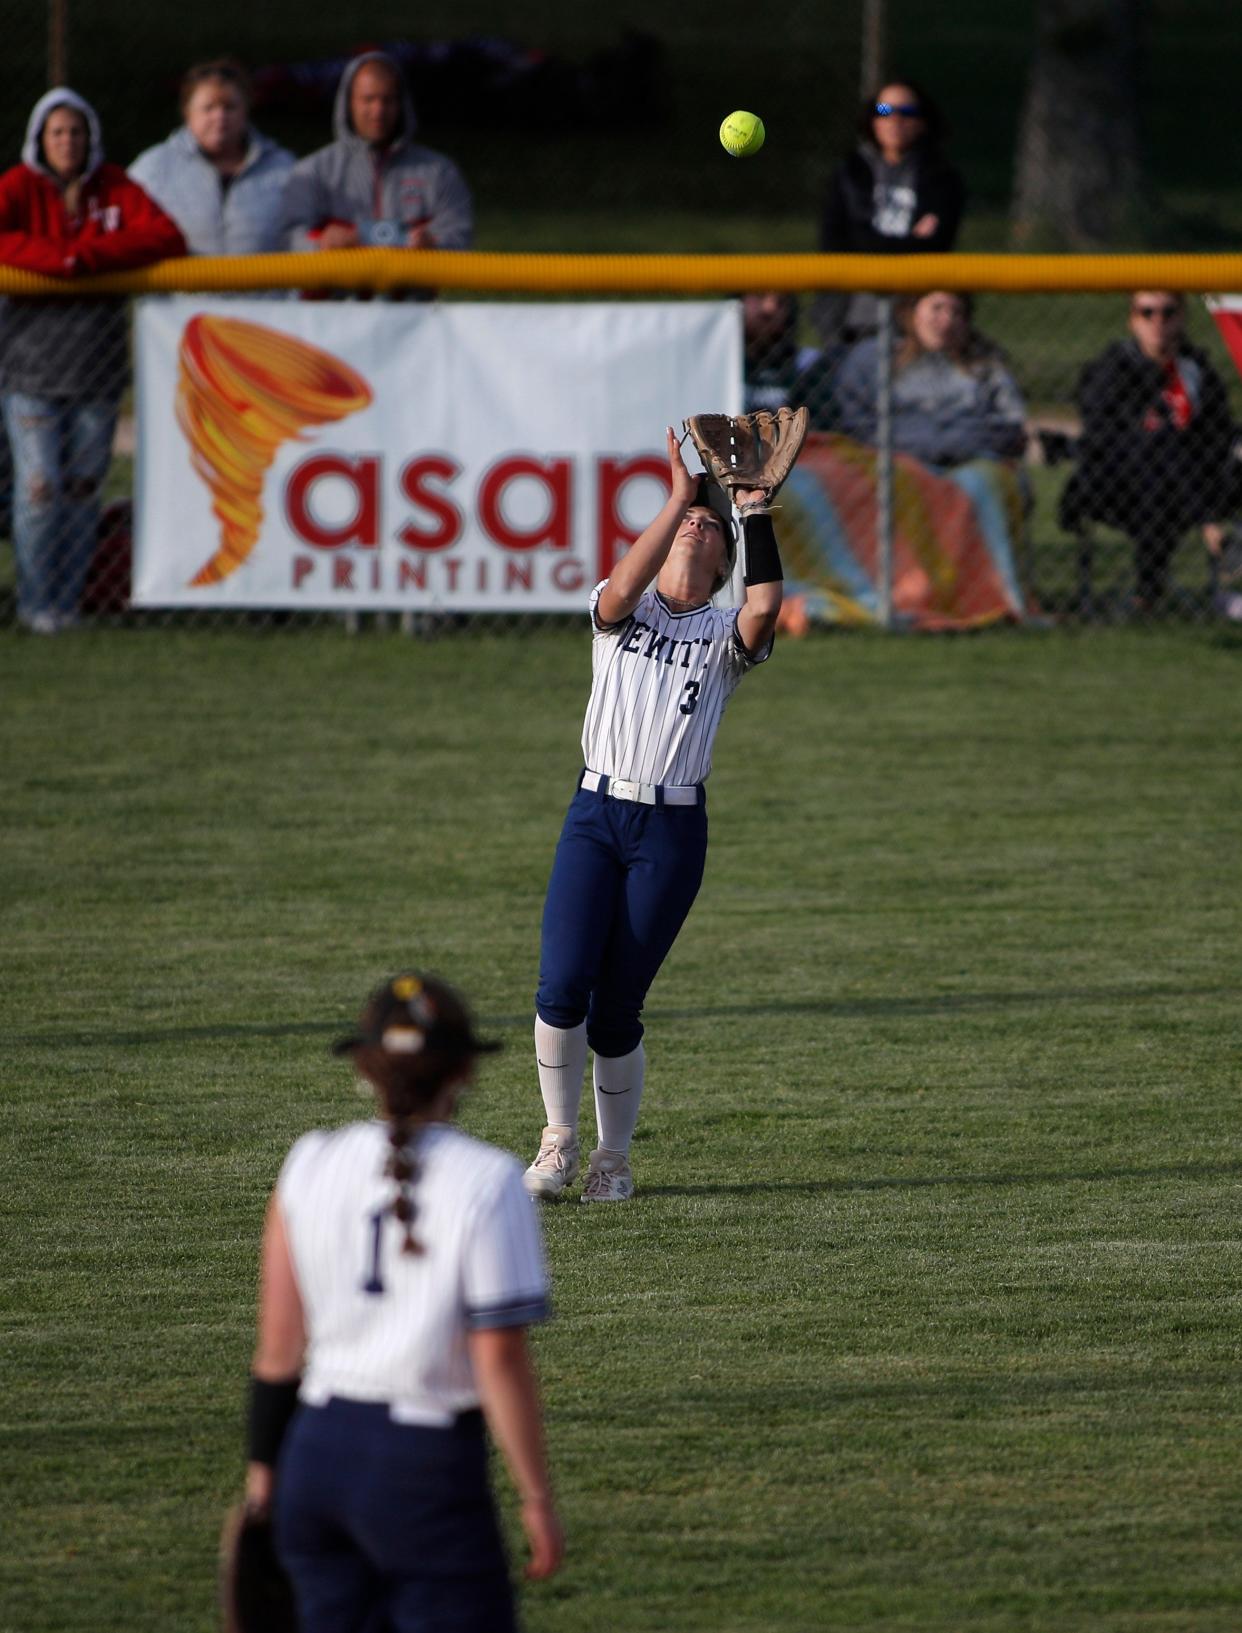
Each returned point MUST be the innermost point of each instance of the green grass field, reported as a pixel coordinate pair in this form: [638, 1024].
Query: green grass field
[927, 1315]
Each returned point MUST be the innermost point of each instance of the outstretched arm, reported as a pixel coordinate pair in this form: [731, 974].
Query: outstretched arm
[643, 560]
[765, 589]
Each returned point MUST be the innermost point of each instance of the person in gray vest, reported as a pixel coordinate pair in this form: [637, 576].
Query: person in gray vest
[374, 184]
[221, 180]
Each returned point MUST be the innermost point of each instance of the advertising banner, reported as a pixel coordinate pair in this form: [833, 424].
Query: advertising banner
[399, 456]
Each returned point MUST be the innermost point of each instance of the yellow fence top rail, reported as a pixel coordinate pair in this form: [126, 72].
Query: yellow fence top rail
[386, 270]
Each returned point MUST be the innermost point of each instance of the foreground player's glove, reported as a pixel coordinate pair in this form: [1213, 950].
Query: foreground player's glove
[750, 451]
[255, 1595]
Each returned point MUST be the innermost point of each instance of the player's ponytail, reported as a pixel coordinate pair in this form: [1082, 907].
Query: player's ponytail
[414, 1039]
[403, 1167]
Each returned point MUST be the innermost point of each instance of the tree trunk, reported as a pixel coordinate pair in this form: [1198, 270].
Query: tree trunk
[1078, 182]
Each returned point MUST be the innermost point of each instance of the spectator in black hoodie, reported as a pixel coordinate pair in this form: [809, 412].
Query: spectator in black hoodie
[895, 194]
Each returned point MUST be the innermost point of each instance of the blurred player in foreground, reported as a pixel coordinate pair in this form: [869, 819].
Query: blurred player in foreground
[401, 1265]
[632, 850]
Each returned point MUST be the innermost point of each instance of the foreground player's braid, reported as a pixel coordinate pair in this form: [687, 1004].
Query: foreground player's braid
[403, 1167]
[408, 1084]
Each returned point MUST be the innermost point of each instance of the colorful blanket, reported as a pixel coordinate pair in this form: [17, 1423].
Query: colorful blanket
[953, 540]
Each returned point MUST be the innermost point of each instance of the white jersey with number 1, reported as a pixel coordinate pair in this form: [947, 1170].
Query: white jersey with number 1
[660, 683]
[383, 1325]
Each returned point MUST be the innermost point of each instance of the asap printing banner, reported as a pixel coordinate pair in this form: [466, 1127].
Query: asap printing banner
[388, 456]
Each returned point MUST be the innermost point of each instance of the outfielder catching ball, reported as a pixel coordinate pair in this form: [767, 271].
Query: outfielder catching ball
[631, 853]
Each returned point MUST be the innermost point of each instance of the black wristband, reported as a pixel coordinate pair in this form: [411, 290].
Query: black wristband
[763, 559]
[271, 1407]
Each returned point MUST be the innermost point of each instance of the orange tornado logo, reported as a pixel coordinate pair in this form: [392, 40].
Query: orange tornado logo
[242, 391]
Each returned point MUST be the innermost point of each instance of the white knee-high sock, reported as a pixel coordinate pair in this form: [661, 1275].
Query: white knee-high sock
[618, 1091]
[560, 1054]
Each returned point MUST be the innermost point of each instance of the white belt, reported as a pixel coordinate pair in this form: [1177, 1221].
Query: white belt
[425, 1413]
[644, 793]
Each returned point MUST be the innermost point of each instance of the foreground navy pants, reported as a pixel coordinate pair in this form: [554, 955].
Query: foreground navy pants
[623, 880]
[389, 1528]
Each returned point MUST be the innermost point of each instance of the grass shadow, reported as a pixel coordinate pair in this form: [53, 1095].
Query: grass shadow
[948, 1003]
[915, 1182]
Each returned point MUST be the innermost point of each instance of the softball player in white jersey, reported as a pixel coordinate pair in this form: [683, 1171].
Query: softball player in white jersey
[631, 853]
[401, 1265]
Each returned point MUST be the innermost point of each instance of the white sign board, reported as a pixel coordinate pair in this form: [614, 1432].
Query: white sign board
[389, 456]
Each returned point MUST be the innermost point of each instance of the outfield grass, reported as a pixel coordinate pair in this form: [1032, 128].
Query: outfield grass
[927, 1314]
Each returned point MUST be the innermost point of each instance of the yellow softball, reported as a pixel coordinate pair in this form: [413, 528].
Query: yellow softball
[742, 134]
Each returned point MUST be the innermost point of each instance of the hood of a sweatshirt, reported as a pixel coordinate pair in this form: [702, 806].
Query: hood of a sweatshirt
[342, 129]
[61, 97]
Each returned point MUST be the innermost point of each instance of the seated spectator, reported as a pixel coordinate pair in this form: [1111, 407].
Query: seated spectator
[895, 194]
[1155, 453]
[64, 211]
[375, 184]
[954, 399]
[220, 179]
[780, 372]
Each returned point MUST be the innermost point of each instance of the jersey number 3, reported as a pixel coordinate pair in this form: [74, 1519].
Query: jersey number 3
[692, 698]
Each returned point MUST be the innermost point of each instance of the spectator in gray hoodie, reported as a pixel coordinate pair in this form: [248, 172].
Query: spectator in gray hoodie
[375, 184]
[954, 399]
[219, 178]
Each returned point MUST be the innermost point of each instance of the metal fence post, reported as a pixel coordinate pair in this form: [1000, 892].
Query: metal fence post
[873, 33]
[58, 42]
[884, 461]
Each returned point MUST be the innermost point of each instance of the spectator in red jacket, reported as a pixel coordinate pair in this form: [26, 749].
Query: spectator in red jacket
[66, 212]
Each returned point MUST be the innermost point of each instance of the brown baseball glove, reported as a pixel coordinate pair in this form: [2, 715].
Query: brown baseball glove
[255, 1595]
[750, 451]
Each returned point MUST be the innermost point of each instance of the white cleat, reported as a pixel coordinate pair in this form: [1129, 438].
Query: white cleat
[555, 1167]
[608, 1178]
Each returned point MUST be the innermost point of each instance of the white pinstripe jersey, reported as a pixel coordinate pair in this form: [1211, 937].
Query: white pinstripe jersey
[659, 684]
[387, 1326]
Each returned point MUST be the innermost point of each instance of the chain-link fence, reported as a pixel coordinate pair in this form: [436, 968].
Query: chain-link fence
[567, 120]
[576, 125]
[966, 465]
[1011, 458]
[1039, 456]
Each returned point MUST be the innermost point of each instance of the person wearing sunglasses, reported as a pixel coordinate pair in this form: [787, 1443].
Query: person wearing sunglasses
[1155, 456]
[895, 194]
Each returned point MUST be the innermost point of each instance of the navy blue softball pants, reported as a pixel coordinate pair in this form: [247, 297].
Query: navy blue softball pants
[387, 1527]
[623, 880]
